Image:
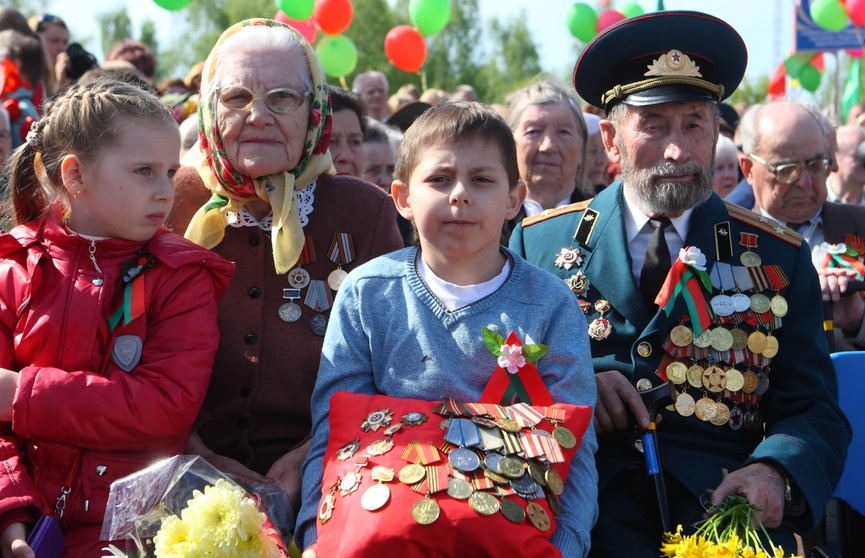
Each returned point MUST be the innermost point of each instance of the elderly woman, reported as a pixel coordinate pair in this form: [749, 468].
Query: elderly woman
[726, 175]
[260, 191]
[551, 141]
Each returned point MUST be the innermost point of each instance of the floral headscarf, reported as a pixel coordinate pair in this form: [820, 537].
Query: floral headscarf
[231, 190]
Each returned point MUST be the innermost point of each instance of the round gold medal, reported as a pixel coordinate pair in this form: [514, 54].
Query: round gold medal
[380, 447]
[459, 489]
[704, 408]
[722, 414]
[411, 474]
[681, 336]
[538, 473]
[336, 277]
[750, 259]
[425, 511]
[375, 497]
[508, 425]
[778, 304]
[735, 380]
[644, 384]
[564, 437]
[722, 339]
[511, 467]
[714, 379]
[703, 340]
[695, 375]
[484, 503]
[554, 482]
[512, 511]
[760, 303]
[771, 349]
[685, 405]
[757, 342]
[495, 477]
[740, 339]
[555, 503]
[749, 381]
[538, 517]
[677, 372]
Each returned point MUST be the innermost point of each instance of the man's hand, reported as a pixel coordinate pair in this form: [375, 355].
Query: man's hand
[762, 485]
[13, 542]
[848, 309]
[196, 446]
[615, 396]
[286, 470]
[8, 385]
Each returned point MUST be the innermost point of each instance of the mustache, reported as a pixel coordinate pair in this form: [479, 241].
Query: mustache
[667, 168]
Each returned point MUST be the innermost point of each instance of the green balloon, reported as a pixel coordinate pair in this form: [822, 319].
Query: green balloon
[429, 16]
[337, 54]
[582, 21]
[631, 9]
[794, 63]
[809, 78]
[172, 4]
[300, 10]
[829, 14]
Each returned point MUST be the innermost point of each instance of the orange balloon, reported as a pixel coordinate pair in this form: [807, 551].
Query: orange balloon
[333, 16]
[405, 48]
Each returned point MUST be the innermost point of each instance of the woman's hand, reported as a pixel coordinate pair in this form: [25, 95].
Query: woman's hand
[286, 470]
[8, 385]
[13, 542]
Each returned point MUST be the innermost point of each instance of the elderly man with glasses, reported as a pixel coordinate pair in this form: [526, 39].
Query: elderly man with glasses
[787, 161]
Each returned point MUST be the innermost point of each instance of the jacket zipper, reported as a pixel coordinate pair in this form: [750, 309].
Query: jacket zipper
[91, 251]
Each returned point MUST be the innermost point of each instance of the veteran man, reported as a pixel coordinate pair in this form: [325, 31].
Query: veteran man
[679, 286]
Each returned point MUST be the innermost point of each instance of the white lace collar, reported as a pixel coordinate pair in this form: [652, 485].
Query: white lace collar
[305, 199]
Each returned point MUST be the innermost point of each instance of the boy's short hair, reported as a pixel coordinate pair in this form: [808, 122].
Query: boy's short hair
[456, 122]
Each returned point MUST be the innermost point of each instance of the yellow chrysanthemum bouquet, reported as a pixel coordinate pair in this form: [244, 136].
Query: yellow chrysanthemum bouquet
[731, 532]
[183, 507]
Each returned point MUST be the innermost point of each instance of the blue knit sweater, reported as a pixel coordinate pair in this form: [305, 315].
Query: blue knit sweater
[388, 334]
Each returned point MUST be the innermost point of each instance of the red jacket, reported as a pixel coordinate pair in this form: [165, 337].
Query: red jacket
[54, 321]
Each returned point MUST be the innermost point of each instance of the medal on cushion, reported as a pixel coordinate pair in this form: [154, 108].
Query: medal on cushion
[512, 511]
[377, 419]
[463, 432]
[320, 299]
[378, 494]
[328, 502]
[425, 511]
[348, 450]
[341, 252]
[290, 312]
[538, 517]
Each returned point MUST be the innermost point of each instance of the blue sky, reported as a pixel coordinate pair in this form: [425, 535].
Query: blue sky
[766, 25]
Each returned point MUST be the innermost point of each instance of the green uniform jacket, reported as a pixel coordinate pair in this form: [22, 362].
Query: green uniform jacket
[806, 432]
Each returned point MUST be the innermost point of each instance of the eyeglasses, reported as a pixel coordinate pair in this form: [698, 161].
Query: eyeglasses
[281, 100]
[788, 173]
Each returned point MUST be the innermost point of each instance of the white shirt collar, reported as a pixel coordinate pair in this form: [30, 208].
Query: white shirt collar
[533, 208]
[635, 220]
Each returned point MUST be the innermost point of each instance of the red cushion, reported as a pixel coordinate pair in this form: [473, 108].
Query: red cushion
[352, 531]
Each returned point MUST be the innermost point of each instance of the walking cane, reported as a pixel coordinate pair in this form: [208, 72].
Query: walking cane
[654, 399]
[828, 312]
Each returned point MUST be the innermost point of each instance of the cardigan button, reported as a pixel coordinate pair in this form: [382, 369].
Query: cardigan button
[644, 349]
[255, 239]
[254, 292]
[251, 338]
[101, 470]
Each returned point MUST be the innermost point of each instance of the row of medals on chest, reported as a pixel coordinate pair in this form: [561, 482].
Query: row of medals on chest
[298, 279]
[508, 473]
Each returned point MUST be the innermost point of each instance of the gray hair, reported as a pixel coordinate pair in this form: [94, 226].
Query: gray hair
[256, 38]
[355, 84]
[545, 91]
[725, 146]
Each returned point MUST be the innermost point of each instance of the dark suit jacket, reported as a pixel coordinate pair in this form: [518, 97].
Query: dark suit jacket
[806, 432]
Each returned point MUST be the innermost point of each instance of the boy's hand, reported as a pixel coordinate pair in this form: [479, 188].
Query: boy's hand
[310, 552]
[13, 543]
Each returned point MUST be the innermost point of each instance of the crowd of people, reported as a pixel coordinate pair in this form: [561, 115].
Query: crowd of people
[198, 265]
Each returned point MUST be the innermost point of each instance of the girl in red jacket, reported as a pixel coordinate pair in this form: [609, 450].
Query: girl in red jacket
[107, 320]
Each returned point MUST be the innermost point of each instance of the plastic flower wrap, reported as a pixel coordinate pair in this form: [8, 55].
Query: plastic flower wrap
[183, 507]
[732, 531]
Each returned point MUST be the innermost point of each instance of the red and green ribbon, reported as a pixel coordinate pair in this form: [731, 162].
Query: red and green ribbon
[132, 305]
[526, 385]
[847, 259]
[685, 281]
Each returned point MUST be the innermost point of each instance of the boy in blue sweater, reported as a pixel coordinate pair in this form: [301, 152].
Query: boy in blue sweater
[409, 324]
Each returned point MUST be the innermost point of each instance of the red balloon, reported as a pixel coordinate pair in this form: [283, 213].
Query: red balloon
[333, 16]
[608, 18]
[856, 11]
[818, 62]
[405, 48]
[855, 52]
[306, 28]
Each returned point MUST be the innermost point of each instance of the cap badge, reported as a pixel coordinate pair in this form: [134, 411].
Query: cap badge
[674, 63]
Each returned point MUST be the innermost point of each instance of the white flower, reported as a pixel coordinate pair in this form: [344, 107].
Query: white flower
[692, 256]
[835, 248]
[511, 358]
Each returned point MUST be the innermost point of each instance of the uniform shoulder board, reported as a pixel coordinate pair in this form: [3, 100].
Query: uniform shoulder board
[765, 224]
[550, 213]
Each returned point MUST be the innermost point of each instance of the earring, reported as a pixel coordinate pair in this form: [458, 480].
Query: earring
[77, 193]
